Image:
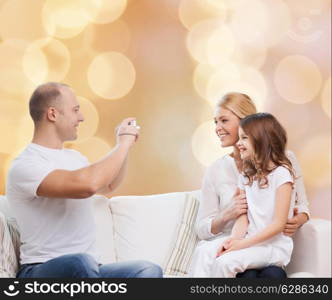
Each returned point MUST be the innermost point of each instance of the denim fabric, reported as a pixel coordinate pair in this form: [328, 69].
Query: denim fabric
[84, 266]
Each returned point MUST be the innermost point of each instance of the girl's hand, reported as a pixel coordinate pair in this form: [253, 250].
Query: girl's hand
[231, 245]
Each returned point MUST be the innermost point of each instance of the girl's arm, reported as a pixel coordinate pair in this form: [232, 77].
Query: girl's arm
[283, 199]
[240, 227]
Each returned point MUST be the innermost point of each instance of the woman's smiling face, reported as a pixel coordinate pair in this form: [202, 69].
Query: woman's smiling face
[227, 126]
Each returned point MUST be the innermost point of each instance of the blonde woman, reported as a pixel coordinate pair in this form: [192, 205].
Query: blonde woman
[221, 204]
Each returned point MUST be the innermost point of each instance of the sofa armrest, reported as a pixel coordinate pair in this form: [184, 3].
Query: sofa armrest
[312, 249]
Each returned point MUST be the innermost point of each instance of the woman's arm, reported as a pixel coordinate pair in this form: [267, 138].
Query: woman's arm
[301, 210]
[283, 199]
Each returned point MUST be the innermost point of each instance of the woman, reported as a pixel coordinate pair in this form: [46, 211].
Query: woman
[221, 204]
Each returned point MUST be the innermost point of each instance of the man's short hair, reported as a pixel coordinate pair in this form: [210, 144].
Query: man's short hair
[43, 97]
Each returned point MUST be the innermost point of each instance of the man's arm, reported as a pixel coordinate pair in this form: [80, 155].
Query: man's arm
[85, 182]
[110, 188]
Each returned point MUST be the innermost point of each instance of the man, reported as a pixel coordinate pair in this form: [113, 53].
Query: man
[49, 189]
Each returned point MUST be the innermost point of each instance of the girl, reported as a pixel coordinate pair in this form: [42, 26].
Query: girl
[257, 238]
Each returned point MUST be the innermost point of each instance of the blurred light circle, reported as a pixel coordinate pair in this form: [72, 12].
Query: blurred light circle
[94, 148]
[297, 79]
[198, 39]
[262, 23]
[241, 80]
[11, 114]
[326, 97]
[89, 126]
[192, 12]
[315, 160]
[27, 24]
[249, 55]
[13, 82]
[221, 46]
[201, 78]
[66, 19]
[46, 60]
[205, 144]
[118, 32]
[111, 75]
[108, 11]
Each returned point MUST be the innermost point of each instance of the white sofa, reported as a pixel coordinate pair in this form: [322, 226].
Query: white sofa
[160, 228]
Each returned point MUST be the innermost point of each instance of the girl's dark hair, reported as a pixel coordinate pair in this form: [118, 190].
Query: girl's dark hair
[268, 139]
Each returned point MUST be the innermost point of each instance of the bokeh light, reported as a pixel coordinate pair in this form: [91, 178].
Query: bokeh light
[231, 79]
[297, 79]
[199, 36]
[46, 60]
[326, 97]
[315, 160]
[206, 145]
[108, 11]
[249, 55]
[118, 32]
[192, 12]
[221, 46]
[28, 22]
[13, 82]
[12, 111]
[262, 23]
[89, 126]
[111, 75]
[93, 148]
[66, 19]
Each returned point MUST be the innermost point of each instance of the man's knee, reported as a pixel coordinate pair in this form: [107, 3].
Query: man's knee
[148, 269]
[80, 265]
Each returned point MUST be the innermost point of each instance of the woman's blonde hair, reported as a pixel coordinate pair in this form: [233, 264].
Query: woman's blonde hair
[239, 104]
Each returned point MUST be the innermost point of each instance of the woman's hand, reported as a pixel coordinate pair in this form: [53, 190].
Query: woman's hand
[294, 223]
[239, 205]
[231, 244]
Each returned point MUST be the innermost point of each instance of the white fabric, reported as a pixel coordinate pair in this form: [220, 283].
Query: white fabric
[218, 188]
[275, 251]
[261, 209]
[104, 229]
[49, 227]
[146, 227]
[312, 249]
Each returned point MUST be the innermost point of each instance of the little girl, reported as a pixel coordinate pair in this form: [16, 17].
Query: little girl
[267, 180]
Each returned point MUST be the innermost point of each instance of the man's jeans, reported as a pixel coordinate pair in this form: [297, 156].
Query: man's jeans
[84, 266]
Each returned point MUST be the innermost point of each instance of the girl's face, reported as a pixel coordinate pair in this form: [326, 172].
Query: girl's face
[227, 125]
[244, 145]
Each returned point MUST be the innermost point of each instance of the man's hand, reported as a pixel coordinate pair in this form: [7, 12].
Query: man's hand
[126, 133]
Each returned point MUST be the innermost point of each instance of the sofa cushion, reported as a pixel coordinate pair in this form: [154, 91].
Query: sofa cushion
[104, 227]
[157, 228]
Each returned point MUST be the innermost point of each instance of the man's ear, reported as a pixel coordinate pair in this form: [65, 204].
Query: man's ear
[52, 114]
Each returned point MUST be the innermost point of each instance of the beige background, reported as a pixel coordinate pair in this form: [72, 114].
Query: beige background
[165, 62]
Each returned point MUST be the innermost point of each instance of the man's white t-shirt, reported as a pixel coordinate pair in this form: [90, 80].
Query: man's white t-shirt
[49, 227]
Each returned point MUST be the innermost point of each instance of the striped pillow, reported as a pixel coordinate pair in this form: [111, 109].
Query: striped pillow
[185, 243]
[9, 247]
